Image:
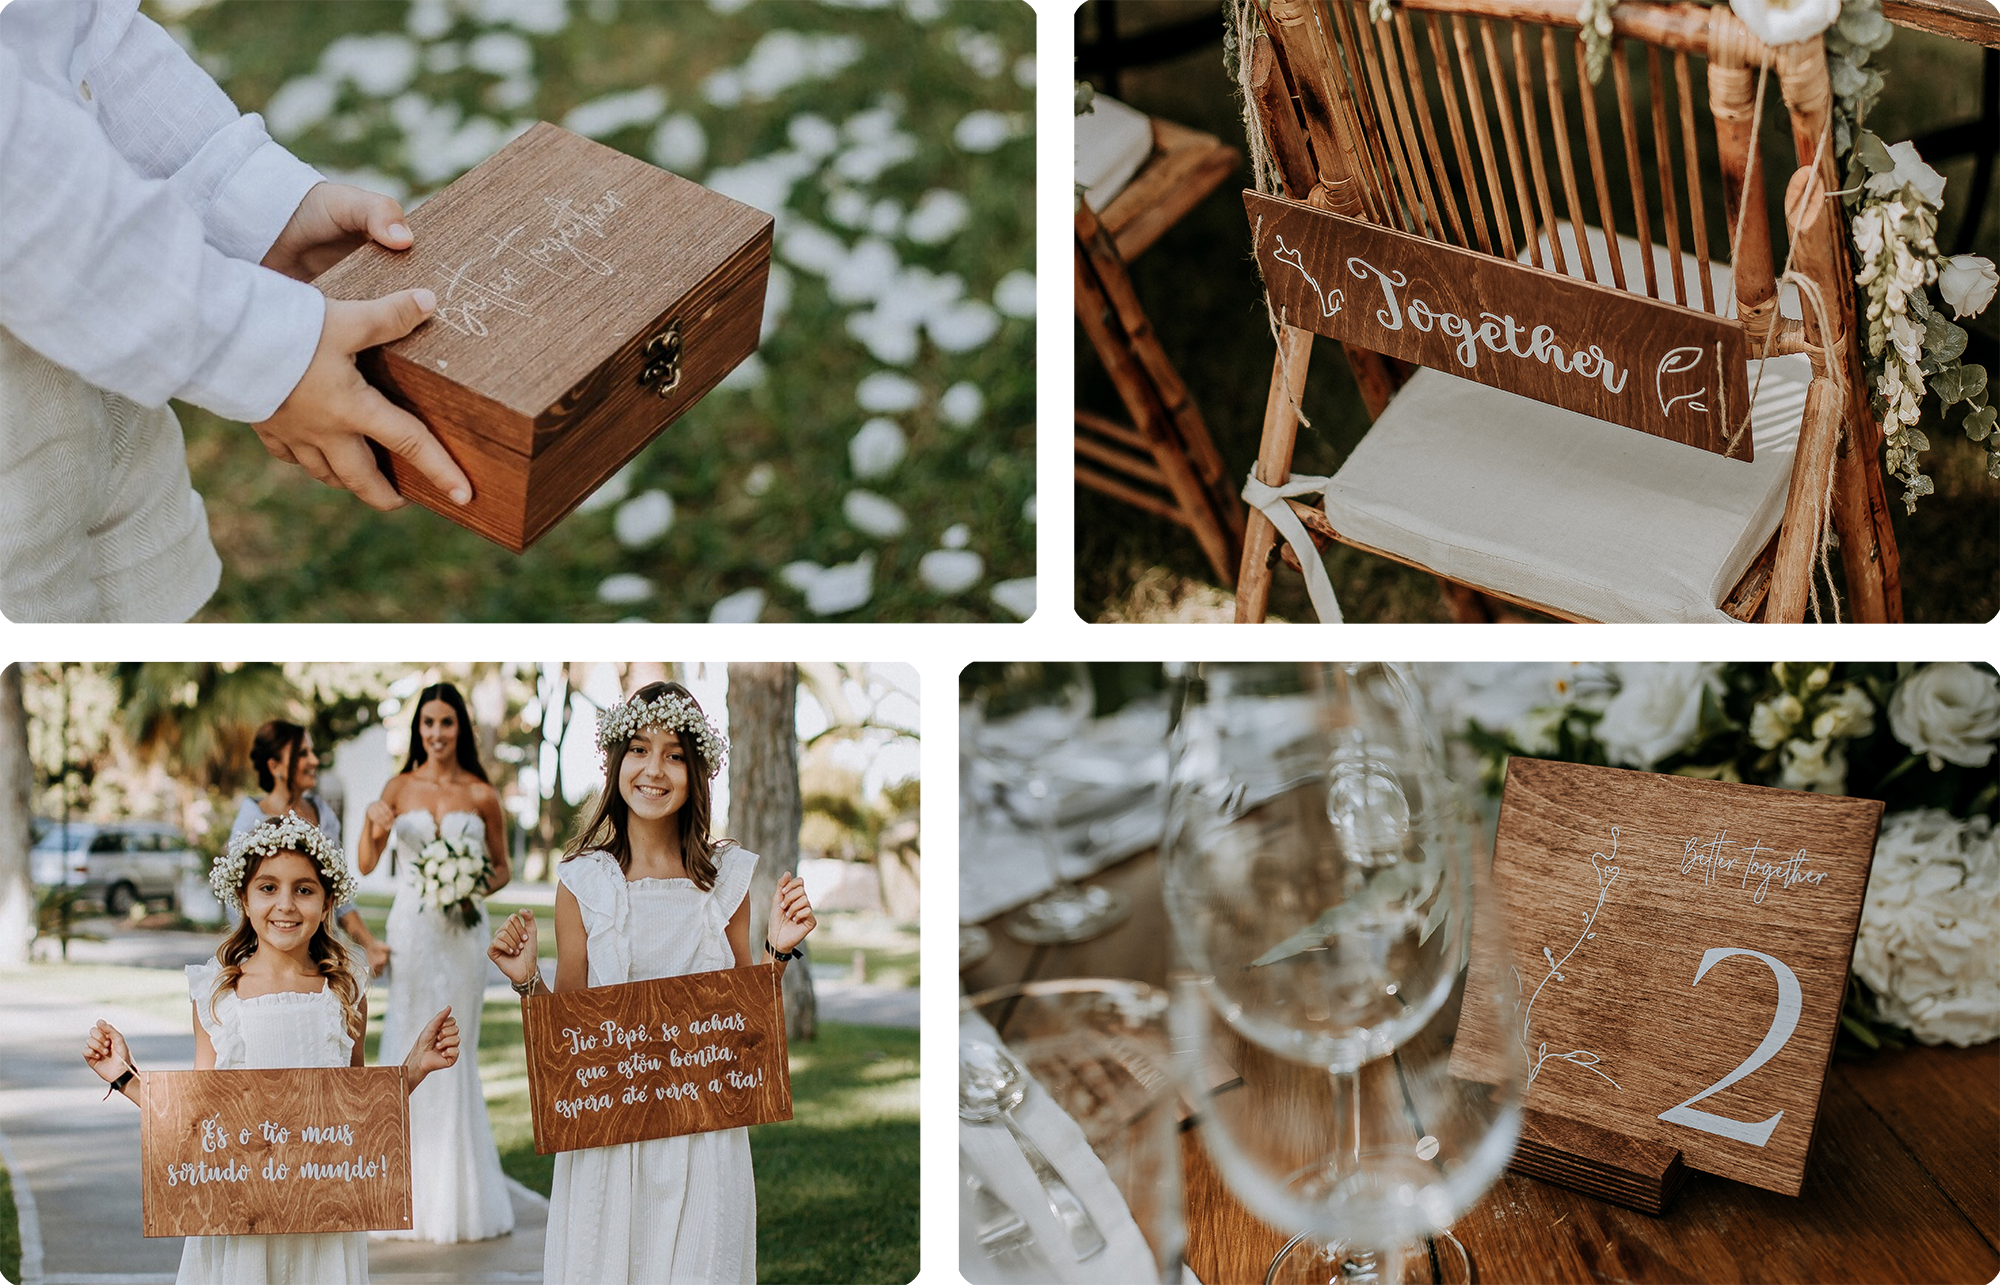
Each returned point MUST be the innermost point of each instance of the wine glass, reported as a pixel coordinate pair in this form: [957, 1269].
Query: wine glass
[1322, 877]
[1013, 716]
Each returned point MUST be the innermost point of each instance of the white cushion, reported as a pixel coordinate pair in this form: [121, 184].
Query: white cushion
[1634, 263]
[1557, 508]
[1112, 142]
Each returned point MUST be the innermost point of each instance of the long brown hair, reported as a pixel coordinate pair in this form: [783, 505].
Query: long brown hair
[328, 955]
[466, 750]
[606, 829]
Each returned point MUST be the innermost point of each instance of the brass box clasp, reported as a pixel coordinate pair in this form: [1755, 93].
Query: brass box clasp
[662, 370]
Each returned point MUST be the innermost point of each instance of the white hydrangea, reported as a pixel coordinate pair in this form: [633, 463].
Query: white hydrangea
[1930, 928]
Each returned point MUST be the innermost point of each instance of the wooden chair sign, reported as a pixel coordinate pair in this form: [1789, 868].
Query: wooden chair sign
[1681, 949]
[1516, 271]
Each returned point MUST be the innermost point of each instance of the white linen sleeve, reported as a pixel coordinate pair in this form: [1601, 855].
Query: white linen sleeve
[170, 120]
[110, 274]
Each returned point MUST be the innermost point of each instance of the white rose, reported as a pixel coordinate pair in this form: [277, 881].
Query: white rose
[1780, 22]
[1950, 712]
[1910, 168]
[1769, 727]
[1536, 732]
[1929, 944]
[1655, 711]
[1849, 714]
[1967, 283]
[1814, 765]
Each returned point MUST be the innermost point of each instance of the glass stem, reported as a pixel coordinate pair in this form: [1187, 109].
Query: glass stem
[1045, 828]
[1359, 1263]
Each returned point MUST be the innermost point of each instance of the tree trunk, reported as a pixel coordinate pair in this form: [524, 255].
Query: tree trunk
[17, 896]
[765, 811]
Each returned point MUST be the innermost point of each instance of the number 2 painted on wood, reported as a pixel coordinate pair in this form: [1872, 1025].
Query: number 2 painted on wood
[1783, 1023]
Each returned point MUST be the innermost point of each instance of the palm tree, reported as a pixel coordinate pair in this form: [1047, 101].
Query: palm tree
[198, 719]
[764, 807]
[17, 901]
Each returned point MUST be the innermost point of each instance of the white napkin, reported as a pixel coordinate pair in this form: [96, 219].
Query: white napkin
[1109, 805]
[990, 1152]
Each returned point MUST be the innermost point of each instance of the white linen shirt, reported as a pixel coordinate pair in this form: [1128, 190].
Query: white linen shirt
[135, 202]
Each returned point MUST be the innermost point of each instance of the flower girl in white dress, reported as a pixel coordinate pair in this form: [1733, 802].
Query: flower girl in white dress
[458, 1189]
[280, 993]
[646, 893]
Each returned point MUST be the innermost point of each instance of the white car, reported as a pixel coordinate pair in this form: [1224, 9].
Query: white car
[119, 863]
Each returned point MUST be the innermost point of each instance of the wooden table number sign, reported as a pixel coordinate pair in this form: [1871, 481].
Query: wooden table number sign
[1678, 958]
[261, 1153]
[657, 1059]
[585, 300]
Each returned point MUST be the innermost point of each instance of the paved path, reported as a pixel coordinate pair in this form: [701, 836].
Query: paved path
[75, 1157]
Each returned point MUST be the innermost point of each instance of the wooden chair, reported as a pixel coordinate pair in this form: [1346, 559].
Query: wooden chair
[1163, 461]
[1351, 113]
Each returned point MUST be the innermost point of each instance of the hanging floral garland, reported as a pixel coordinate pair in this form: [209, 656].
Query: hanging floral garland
[1893, 201]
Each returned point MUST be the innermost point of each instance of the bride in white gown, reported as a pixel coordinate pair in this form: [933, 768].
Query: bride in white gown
[456, 1185]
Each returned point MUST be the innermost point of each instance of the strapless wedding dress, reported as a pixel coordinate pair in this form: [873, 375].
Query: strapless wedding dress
[435, 961]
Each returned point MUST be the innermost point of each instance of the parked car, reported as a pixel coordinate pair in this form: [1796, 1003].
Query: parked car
[119, 863]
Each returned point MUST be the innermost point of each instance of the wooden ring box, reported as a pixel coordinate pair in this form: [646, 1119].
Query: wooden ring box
[586, 300]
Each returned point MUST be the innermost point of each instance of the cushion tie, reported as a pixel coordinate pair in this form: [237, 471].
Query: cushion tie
[1270, 500]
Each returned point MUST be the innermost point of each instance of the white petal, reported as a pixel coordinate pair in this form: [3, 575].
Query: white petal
[875, 515]
[956, 536]
[740, 608]
[963, 326]
[679, 144]
[1016, 596]
[615, 488]
[939, 216]
[982, 131]
[1015, 295]
[501, 53]
[962, 404]
[877, 448]
[951, 570]
[625, 587]
[887, 392]
[801, 575]
[842, 588]
[612, 112]
[643, 519]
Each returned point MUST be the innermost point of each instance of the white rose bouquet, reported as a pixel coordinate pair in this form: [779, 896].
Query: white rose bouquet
[452, 874]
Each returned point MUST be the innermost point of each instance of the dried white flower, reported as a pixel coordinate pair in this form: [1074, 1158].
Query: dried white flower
[291, 834]
[672, 711]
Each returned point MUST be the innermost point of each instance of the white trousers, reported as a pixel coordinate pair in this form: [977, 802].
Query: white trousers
[98, 518]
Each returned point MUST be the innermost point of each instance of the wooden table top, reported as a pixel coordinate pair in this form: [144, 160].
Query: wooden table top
[1903, 1184]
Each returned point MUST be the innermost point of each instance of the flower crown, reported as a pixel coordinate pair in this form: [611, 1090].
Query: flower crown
[670, 710]
[292, 834]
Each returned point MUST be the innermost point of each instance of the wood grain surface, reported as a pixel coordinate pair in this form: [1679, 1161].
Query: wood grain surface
[1904, 1184]
[555, 263]
[656, 1059]
[258, 1153]
[1613, 916]
[1624, 358]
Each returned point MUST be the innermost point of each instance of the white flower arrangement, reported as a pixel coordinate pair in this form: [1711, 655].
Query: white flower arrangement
[290, 834]
[1929, 945]
[623, 721]
[451, 875]
[1894, 199]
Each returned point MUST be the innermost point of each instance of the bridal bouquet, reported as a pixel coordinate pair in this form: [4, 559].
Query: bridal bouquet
[1922, 738]
[451, 875]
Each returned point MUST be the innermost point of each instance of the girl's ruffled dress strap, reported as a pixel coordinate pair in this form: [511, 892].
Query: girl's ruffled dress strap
[601, 893]
[222, 1035]
[734, 869]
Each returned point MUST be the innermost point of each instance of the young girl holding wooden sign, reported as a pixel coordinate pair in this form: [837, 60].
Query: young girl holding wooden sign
[646, 893]
[281, 992]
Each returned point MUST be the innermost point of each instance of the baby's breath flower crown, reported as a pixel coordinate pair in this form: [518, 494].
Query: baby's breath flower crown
[292, 834]
[674, 712]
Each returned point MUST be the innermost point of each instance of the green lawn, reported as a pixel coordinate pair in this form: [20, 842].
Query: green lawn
[836, 1184]
[10, 1229]
[759, 474]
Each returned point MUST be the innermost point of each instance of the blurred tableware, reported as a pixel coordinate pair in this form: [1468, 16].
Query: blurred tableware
[1101, 1104]
[1014, 716]
[1321, 875]
[990, 1085]
[974, 944]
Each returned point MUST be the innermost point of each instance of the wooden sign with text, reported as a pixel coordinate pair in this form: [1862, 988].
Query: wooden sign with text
[657, 1059]
[261, 1153]
[1625, 358]
[1681, 948]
